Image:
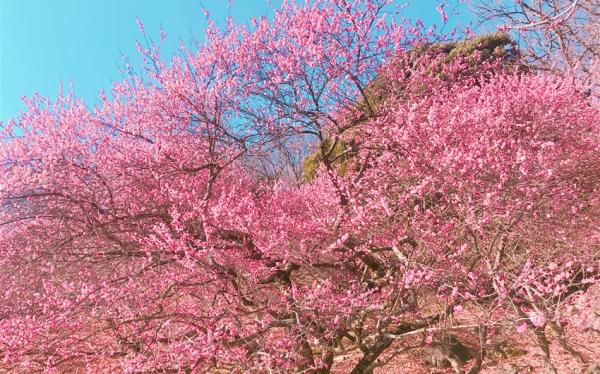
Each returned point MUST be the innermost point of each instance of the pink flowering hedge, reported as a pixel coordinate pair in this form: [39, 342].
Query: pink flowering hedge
[142, 236]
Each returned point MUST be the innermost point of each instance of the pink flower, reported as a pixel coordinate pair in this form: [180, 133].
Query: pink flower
[538, 319]
[429, 339]
[442, 12]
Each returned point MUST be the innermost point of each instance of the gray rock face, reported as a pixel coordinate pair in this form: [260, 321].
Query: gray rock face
[516, 369]
[447, 352]
[502, 350]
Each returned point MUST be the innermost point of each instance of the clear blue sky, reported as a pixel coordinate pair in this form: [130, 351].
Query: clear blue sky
[81, 42]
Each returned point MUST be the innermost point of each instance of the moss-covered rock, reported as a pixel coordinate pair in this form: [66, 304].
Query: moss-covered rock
[475, 52]
[337, 153]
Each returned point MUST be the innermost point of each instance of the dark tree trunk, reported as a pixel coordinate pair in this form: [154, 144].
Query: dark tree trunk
[365, 365]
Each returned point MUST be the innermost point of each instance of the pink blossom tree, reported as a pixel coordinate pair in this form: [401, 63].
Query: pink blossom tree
[138, 236]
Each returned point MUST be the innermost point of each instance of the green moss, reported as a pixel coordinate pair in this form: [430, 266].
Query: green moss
[310, 165]
[496, 45]
[337, 153]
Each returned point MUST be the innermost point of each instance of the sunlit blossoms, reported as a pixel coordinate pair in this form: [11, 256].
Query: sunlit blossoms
[165, 231]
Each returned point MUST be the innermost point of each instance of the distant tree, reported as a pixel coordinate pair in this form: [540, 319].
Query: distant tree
[150, 234]
[558, 35]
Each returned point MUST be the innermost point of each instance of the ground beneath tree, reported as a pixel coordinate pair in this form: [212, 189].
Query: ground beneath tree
[527, 361]
[521, 355]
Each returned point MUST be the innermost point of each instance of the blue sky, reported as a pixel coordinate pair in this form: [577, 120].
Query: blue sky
[81, 42]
